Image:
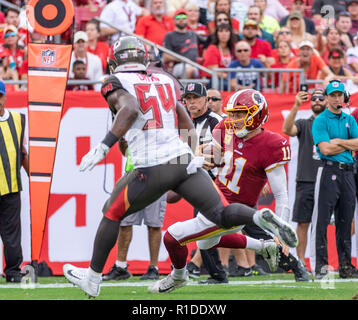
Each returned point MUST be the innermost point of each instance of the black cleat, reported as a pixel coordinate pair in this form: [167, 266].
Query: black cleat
[151, 274]
[213, 281]
[258, 271]
[348, 271]
[241, 272]
[14, 278]
[193, 270]
[117, 273]
[301, 273]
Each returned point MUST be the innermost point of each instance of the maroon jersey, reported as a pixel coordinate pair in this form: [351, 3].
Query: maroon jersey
[243, 174]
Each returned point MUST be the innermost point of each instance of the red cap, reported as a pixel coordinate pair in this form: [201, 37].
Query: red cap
[180, 11]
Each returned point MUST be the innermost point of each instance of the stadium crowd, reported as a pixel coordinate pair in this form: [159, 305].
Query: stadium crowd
[280, 34]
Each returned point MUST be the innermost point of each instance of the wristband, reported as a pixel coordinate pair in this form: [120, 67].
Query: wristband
[110, 139]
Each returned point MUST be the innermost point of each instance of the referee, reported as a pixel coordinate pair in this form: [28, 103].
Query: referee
[12, 156]
[335, 134]
[205, 120]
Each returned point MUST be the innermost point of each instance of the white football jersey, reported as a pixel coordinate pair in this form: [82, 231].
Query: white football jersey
[153, 138]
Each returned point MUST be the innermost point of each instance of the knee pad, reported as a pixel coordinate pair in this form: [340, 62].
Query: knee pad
[215, 215]
[176, 230]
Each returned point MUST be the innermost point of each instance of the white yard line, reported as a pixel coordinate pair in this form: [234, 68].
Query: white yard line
[146, 283]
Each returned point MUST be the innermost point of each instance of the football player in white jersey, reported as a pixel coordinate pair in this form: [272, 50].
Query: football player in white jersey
[149, 118]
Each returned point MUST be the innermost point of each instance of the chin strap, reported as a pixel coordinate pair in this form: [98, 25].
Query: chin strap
[112, 65]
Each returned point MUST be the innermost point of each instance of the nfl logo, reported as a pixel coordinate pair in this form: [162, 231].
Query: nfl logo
[191, 86]
[48, 57]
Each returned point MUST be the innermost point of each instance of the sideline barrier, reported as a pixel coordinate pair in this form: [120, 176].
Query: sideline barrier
[77, 198]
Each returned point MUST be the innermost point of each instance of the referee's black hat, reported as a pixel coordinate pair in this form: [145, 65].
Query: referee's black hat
[195, 88]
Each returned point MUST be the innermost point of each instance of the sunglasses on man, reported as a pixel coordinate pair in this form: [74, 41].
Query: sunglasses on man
[214, 99]
[320, 98]
[10, 34]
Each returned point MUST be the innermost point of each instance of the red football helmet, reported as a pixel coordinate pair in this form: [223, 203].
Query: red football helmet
[254, 104]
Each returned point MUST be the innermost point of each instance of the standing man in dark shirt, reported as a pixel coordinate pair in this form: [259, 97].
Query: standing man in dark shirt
[205, 120]
[307, 163]
[184, 42]
[335, 133]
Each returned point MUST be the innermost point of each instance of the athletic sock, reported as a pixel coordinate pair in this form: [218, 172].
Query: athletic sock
[94, 276]
[179, 273]
[253, 244]
[177, 253]
[121, 264]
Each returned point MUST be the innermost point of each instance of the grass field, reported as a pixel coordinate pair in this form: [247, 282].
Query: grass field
[271, 287]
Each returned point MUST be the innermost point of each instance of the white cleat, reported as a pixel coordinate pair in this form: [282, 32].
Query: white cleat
[269, 221]
[271, 254]
[168, 284]
[79, 277]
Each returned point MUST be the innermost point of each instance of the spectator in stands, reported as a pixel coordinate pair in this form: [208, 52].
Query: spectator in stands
[193, 20]
[174, 5]
[15, 53]
[274, 8]
[157, 24]
[221, 17]
[7, 73]
[223, 6]
[260, 49]
[12, 18]
[325, 44]
[352, 7]
[352, 55]
[193, 24]
[255, 13]
[79, 71]
[184, 42]
[336, 65]
[343, 25]
[121, 13]
[285, 35]
[98, 48]
[220, 52]
[244, 80]
[93, 63]
[318, 13]
[283, 56]
[297, 26]
[313, 65]
[299, 5]
[268, 23]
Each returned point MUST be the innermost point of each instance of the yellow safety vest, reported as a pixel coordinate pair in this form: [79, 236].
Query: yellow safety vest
[11, 157]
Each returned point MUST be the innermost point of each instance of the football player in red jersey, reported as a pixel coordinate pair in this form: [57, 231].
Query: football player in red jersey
[249, 156]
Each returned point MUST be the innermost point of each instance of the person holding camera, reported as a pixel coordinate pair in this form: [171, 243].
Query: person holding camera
[307, 163]
[335, 134]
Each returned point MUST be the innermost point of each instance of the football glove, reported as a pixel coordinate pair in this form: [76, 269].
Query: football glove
[94, 156]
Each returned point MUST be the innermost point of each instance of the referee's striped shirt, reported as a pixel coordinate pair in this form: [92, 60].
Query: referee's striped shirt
[12, 126]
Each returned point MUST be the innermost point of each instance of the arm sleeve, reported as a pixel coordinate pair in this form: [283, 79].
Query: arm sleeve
[278, 183]
[110, 85]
